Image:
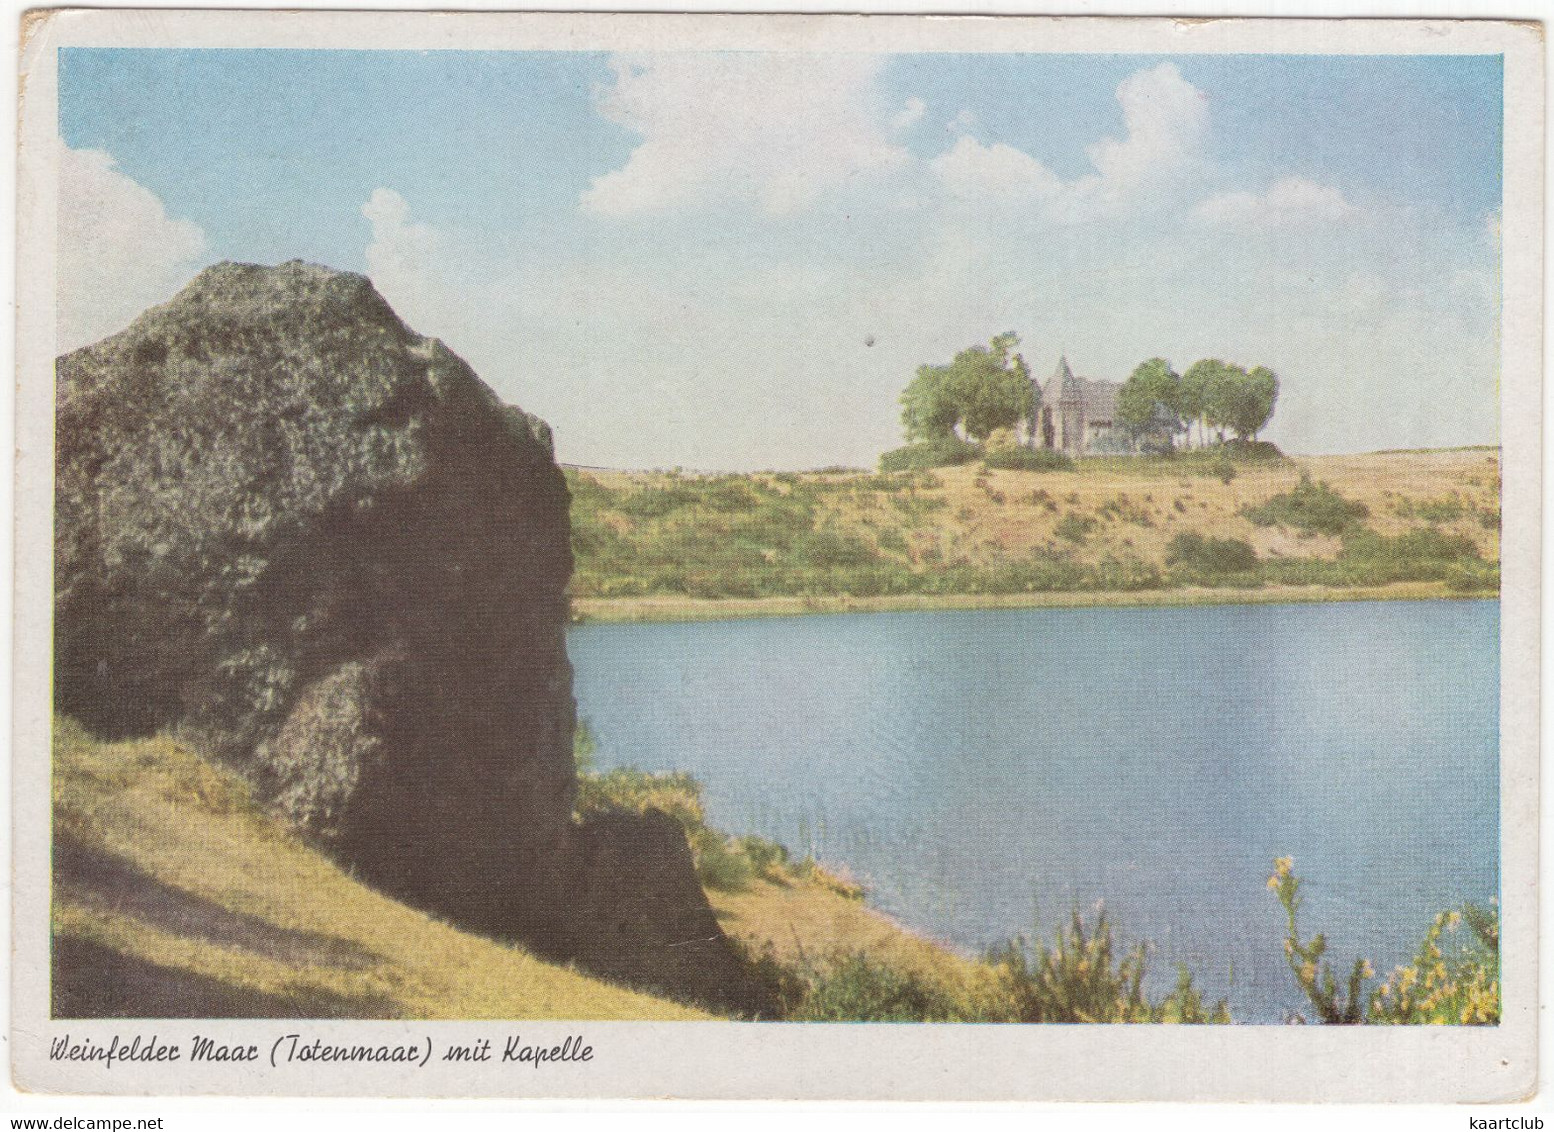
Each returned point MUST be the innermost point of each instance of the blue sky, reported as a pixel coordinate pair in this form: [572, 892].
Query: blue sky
[678, 259]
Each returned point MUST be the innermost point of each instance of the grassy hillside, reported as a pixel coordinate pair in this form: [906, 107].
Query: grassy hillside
[663, 544]
[174, 895]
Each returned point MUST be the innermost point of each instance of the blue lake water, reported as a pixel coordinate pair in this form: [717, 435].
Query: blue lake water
[984, 772]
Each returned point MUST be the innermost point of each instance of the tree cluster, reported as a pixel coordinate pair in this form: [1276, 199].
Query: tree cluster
[1155, 403]
[988, 388]
[983, 389]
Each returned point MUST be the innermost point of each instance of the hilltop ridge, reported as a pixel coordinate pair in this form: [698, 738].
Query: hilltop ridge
[1120, 530]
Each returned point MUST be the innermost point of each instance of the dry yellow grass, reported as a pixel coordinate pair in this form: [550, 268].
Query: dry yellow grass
[801, 921]
[1135, 505]
[165, 860]
[173, 865]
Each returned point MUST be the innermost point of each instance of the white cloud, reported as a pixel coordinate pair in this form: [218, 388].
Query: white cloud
[1166, 118]
[971, 170]
[1289, 202]
[962, 122]
[774, 129]
[118, 250]
[403, 262]
[779, 131]
[910, 114]
[1167, 121]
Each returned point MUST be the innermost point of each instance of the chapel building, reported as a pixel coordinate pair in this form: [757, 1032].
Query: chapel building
[1076, 415]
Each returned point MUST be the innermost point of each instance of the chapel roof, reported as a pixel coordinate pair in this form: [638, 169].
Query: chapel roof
[1098, 397]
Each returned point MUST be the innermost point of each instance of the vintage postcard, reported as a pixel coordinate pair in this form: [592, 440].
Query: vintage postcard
[778, 557]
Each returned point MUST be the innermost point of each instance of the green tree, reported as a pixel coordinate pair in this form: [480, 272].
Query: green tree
[1222, 396]
[1193, 393]
[983, 389]
[929, 410]
[1211, 389]
[1252, 402]
[1149, 403]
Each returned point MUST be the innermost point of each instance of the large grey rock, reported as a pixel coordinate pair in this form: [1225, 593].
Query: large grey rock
[317, 543]
[644, 919]
[290, 525]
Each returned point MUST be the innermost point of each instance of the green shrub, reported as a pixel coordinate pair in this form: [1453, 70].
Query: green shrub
[1123, 508]
[1369, 559]
[1422, 554]
[854, 987]
[636, 791]
[832, 548]
[888, 483]
[767, 858]
[1076, 979]
[1074, 527]
[1218, 460]
[1309, 507]
[918, 506]
[1473, 577]
[930, 454]
[1251, 451]
[656, 502]
[1127, 573]
[1444, 985]
[1080, 979]
[1452, 980]
[1312, 974]
[594, 540]
[1199, 555]
[728, 493]
[721, 863]
[1444, 510]
[1027, 460]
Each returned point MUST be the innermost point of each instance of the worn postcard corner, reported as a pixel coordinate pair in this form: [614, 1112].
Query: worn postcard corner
[580, 553]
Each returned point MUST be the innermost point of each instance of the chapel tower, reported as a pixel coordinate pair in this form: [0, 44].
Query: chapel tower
[1067, 397]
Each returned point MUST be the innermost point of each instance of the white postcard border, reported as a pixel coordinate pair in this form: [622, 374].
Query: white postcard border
[792, 1061]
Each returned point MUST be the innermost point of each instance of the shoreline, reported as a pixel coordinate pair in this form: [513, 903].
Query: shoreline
[659, 609]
